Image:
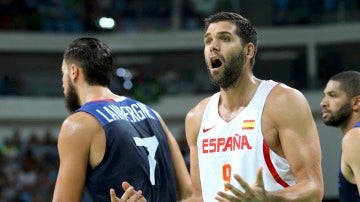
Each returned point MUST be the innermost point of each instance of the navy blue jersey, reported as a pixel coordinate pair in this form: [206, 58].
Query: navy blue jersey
[136, 151]
[348, 191]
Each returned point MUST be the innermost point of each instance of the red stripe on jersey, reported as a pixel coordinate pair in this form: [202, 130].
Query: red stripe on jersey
[274, 173]
[103, 100]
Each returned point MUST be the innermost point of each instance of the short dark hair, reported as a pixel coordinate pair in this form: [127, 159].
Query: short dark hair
[349, 82]
[94, 57]
[244, 29]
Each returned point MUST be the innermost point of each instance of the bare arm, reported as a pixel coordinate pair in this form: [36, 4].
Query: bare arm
[74, 144]
[299, 143]
[183, 181]
[350, 155]
[192, 127]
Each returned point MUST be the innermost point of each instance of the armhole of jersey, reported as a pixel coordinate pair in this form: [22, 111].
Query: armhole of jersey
[271, 167]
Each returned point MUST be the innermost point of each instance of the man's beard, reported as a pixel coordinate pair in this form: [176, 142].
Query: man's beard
[339, 117]
[72, 101]
[232, 72]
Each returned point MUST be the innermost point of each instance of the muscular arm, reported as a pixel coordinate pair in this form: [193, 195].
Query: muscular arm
[192, 127]
[350, 155]
[183, 181]
[74, 144]
[299, 143]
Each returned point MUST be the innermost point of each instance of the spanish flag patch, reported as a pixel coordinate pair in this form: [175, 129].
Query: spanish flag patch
[248, 124]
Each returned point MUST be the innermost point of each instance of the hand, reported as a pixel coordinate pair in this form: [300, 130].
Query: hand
[252, 194]
[130, 194]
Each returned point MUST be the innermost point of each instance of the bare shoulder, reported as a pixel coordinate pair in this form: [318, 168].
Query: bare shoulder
[351, 140]
[78, 125]
[196, 113]
[193, 121]
[351, 149]
[284, 98]
[287, 107]
[282, 94]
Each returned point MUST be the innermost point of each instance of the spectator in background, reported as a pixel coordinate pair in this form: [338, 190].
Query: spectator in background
[188, 15]
[6, 15]
[62, 15]
[281, 12]
[303, 12]
[203, 8]
[12, 84]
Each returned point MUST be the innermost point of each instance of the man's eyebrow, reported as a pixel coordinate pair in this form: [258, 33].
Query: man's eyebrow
[223, 33]
[219, 33]
[330, 92]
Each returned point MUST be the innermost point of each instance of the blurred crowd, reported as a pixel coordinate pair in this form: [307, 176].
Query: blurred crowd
[78, 16]
[28, 167]
[143, 15]
[303, 12]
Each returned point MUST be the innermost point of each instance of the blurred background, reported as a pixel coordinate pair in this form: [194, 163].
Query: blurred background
[158, 59]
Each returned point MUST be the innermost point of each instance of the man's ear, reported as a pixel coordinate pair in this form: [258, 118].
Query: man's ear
[74, 72]
[356, 103]
[249, 50]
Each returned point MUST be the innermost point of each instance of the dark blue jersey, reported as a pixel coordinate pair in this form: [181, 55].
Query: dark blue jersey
[348, 191]
[136, 151]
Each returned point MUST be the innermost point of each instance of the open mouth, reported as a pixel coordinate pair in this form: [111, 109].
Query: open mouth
[215, 63]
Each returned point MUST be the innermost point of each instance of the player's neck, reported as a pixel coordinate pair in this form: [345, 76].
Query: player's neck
[92, 93]
[350, 123]
[240, 95]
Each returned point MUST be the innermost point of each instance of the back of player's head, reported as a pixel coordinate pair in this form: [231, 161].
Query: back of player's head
[94, 57]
